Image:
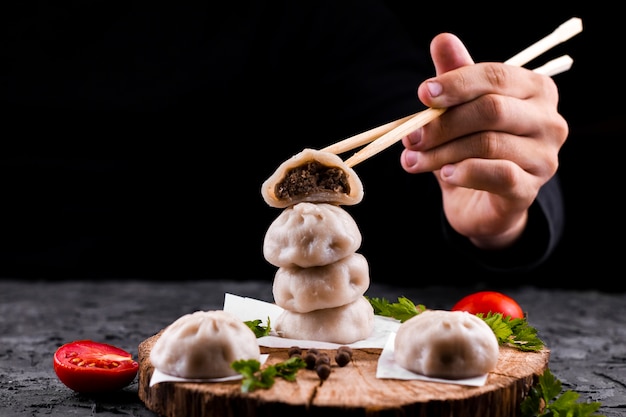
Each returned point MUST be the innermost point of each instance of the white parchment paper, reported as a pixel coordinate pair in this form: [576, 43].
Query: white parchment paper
[248, 309]
[158, 376]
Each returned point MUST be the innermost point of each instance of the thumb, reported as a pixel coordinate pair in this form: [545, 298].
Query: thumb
[448, 53]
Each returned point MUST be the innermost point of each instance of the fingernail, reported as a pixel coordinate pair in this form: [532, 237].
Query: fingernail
[434, 88]
[447, 170]
[410, 158]
[415, 137]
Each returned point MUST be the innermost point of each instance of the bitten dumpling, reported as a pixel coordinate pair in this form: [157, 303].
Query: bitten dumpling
[306, 289]
[446, 344]
[308, 234]
[346, 324]
[313, 176]
[203, 345]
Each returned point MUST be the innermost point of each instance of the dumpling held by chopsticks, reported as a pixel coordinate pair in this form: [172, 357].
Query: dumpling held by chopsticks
[312, 176]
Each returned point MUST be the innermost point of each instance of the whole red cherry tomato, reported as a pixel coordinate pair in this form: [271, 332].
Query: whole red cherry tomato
[490, 301]
[88, 366]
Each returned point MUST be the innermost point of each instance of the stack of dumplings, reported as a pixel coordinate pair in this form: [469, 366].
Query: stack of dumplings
[321, 279]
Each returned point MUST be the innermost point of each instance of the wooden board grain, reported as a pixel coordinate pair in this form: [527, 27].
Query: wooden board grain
[352, 390]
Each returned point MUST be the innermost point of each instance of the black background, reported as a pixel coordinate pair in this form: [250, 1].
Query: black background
[590, 95]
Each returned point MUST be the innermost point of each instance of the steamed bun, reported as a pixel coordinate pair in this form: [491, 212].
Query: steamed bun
[307, 289]
[446, 344]
[311, 234]
[346, 324]
[203, 345]
[312, 176]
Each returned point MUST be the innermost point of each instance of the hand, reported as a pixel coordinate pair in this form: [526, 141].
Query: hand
[493, 148]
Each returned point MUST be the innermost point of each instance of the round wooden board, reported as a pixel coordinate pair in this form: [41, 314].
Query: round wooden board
[352, 390]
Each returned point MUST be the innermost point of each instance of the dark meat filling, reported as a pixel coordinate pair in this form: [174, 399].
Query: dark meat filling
[310, 178]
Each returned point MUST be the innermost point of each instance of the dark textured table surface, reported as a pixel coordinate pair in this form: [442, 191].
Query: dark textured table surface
[585, 331]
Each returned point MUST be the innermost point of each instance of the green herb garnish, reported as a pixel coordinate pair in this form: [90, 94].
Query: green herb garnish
[259, 331]
[403, 310]
[254, 377]
[547, 398]
[515, 333]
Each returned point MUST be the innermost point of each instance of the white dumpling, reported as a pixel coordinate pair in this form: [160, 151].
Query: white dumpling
[344, 325]
[446, 344]
[306, 289]
[203, 345]
[309, 234]
[313, 176]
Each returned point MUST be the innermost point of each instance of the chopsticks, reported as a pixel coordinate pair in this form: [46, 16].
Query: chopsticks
[381, 137]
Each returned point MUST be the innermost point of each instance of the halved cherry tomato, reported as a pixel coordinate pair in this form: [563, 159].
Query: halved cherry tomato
[88, 366]
[490, 301]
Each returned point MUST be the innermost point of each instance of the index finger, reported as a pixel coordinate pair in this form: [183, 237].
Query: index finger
[469, 82]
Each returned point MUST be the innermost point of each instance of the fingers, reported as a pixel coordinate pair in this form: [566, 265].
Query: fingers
[500, 177]
[467, 83]
[489, 146]
[448, 53]
[492, 127]
[536, 161]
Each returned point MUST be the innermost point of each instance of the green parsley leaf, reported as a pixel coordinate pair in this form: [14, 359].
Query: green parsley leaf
[547, 399]
[258, 329]
[403, 310]
[256, 378]
[515, 333]
[289, 368]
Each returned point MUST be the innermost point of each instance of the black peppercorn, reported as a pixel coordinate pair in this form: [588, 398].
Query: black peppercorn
[322, 358]
[294, 350]
[342, 358]
[323, 371]
[310, 359]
